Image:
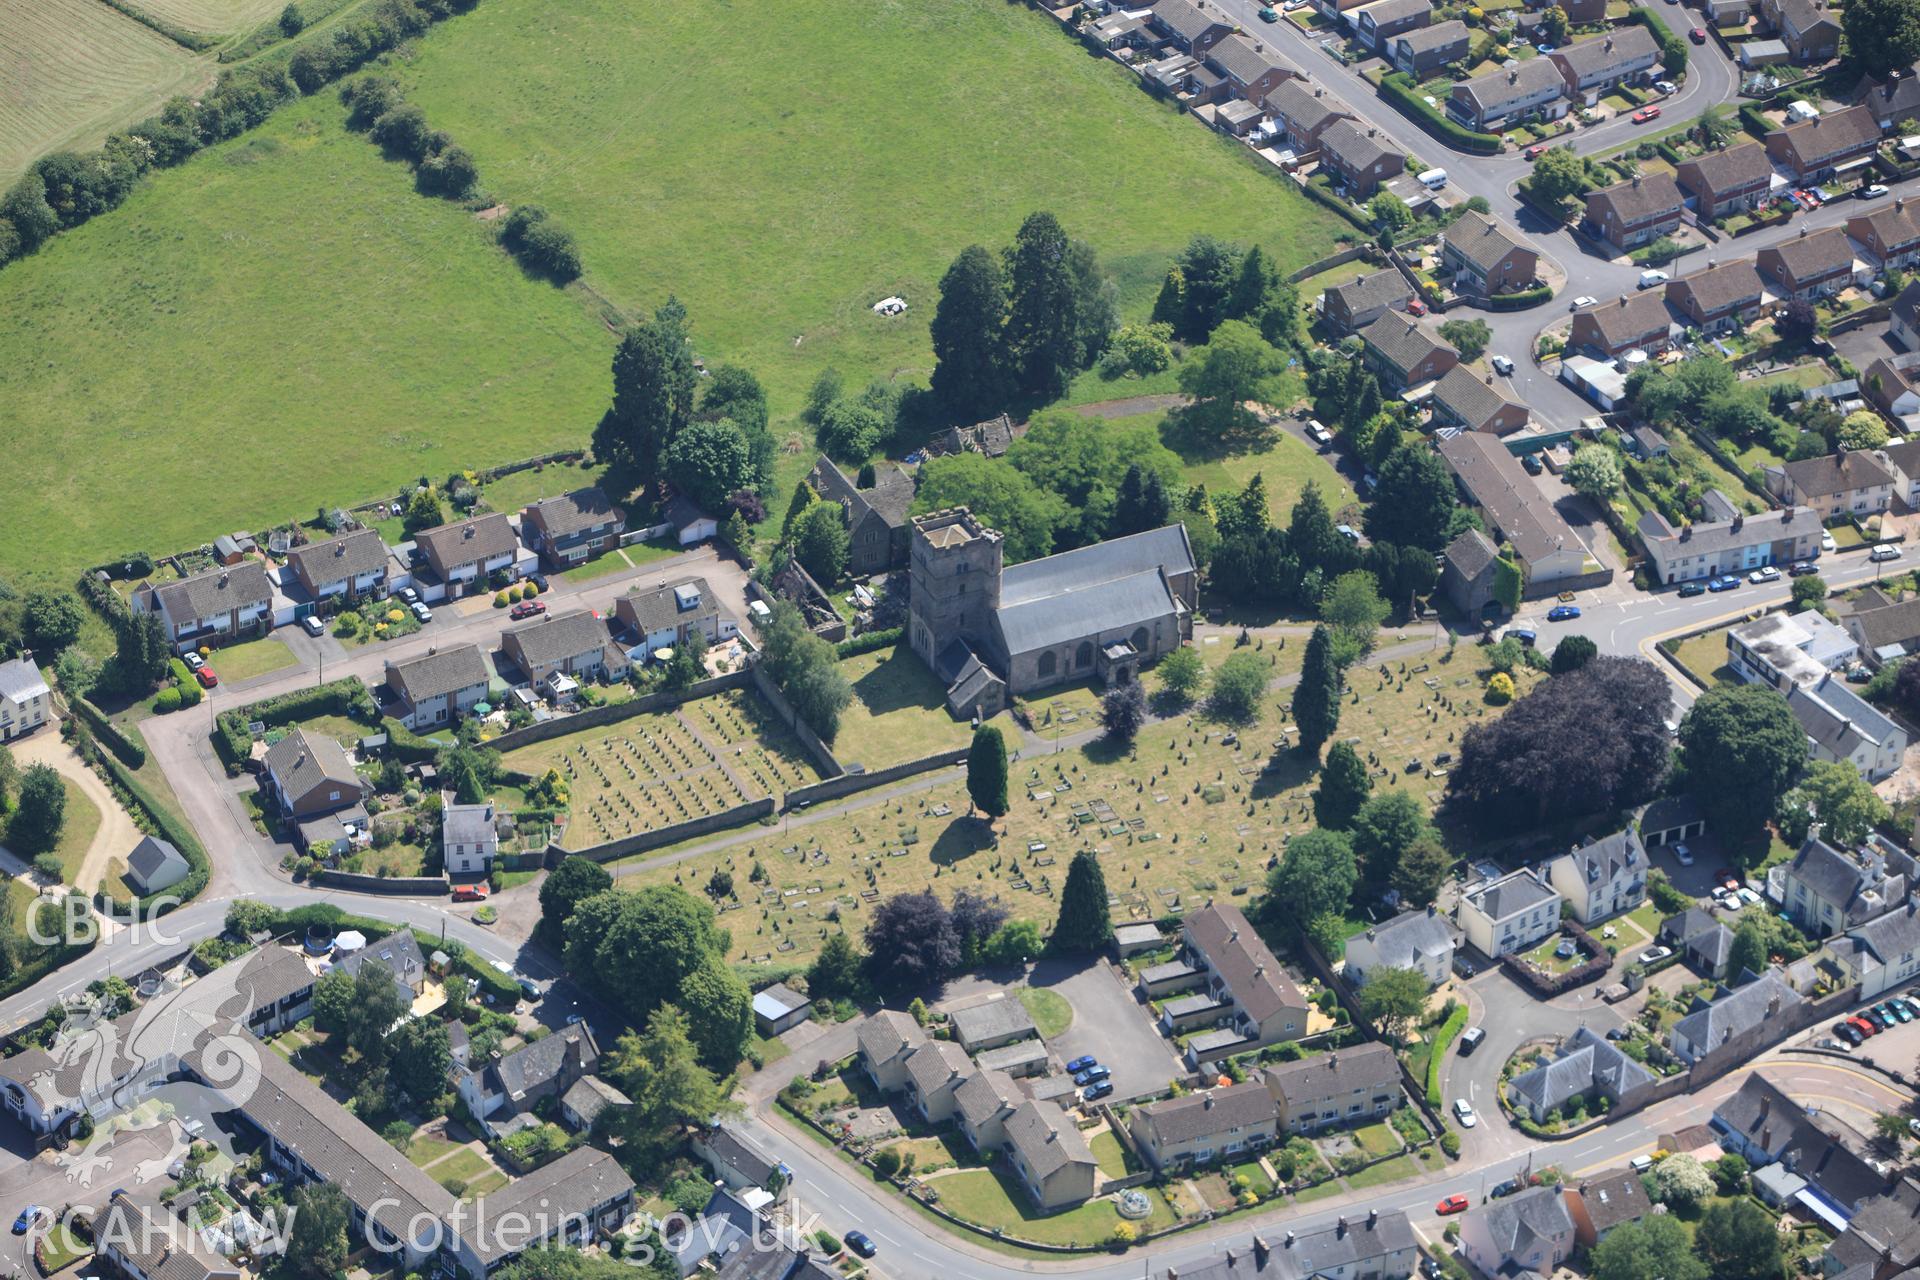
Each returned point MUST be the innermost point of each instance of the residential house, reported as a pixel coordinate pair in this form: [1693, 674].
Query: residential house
[1249, 68]
[1841, 725]
[1886, 633]
[1050, 1157]
[1738, 1018]
[1704, 943]
[578, 1198]
[1470, 571]
[1904, 328]
[1632, 322]
[1380, 1246]
[572, 528]
[1341, 11]
[1724, 182]
[1580, 13]
[145, 1241]
[1404, 353]
[1531, 1231]
[439, 686]
[1350, 307]
[466, 554]
[1883, 953]
[1360, 159]
[1891, 234]
[1191, 26]
[582, 1104]
[934, 1071]
[1261, 1002]
[1894, 100]
[504, 1088]
[1825, 891]
[984, 1101]
[400, 953]
[1601, 878]
[1508, 96]
[1510, 914]
[1812, 265]
[886, 1040]
[1220, 1123]
[1764, 1125]
[1303, 112]
[1417, 940]
[1726, 295]
[1892, 385]
[154, 865]
[1734, 545]
[1777, 649]
[739, 1165]
[469, 836]
[25, 698]
[666, 616]
[877, 525]
[1586, 1066]
[210, 608]
[1806, 27]
[575, 644]
[1378, 23]
[1600, 64]
[1837, 142]
[309, 774]
[1424, 50]
[1516, 509]
[1882, 1237]
[996, 1022]
[1605, 1201]
[1346, 1086]
[1635, 212]
[1485, 258]
[349, 567]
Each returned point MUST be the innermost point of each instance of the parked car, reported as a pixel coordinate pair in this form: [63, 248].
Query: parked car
[1455, 1203]
[1725, 582]
[1884, 552]
[1649, 279]
[1646, 114]
[1873, 192]
[469, 893]
[1318, 433]
[1765, 573]
[1535, 151]
[1348, 532]
[1096, 1091]
[1653, 955]
[1682, 855]
[1619, 1033]
[539, 581]
[1416, 307]
[1801, 568]
[1502, 366]
[1091, 1074]
[1667, 86]
[28, 1217]
[1850, 1033]
[1582, 301]
[1470, 1039]
[204, 674]
[193, 660]
[1267, 14]
[312, 625]
[1463, 1112]
[1523, 635]
[421, 612]
[530, 989]
[1501, 1190]
[527, 609]
[1688, 590]
[1865, 1026]
[1640, 1164]
[1080, 1064]
[1463, 966]
[1563, 613]
[409, 595]
[862, 1243]
[1698, 35]
[1900, 1010]
[1826, 540]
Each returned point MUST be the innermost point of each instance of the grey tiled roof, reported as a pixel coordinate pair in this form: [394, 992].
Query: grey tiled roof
[1422, 39]
[1770, 1120]
[1077, 612]
[1387, 12]
[1721, 286]
[1602, 860]
[434, 675]
[1357, 147]
[1188, 20]
[213, 593]
[1163, 548]
[1211, 1111]
[1519, 509]
[1729, 170]
[161, 1245]
[1813, 254]
[1639, 198]
[1495, 89]
[1471, 553]
[1006, 1016]
[1481, 240]
[1310, 108]
[888, 1033]
[1357, 1246]
[1523, 1223]
[1334, 1074]
[522, 1213]
[1892, 935]
[1046, 1139]
[302, 761]
[399, 951]
[1837, 473]
[152, 857]
[558, 636]
[1258, 982]
[733, 1149]
[1896, 224]
[1832, 134]
[648, 611]
[1838, 718]
[1627, 318]
[467, 823]
[1401, 340]
[464, 541]
[936, 1064]
[1244, 59]
[21, 681]
[1722, 535]
[1377, 289]
[889, 498]
[588, 1096]
[1510, 895]
[1894, 100]
[986, 1094]
[1584, 1062]
[273, 973]
[1737, 1012]
[572, 512]
[1401, 941]
[347, 556]
[1470, 397]
[1598, 55]
[531, 1066]
[1614, 1198]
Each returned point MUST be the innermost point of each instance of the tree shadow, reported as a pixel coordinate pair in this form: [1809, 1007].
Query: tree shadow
[962, 837]
[1210, 431]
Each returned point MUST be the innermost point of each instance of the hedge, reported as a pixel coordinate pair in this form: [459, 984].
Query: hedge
[348, 697]
[188, 687]
[1399, 89]
[1756, 124]
[123, 746]
[173, 831]
[1522, 300]
[870, 641]
[1673, 51]
[407, 746]
[490, 978]
[1319, 189]
[105, 600]
[1442, 1041]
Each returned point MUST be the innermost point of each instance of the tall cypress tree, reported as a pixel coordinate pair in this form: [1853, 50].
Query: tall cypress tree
[1344, 787]
[987, 771]
[1316, 699]
[1043, 326]
[653, 384]
[969, 352]
[1085, 925]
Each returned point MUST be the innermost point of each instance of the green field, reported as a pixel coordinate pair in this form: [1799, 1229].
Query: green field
[280, 323]
[1286, 462]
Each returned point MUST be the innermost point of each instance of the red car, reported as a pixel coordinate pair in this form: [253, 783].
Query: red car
[527, 609]
[1646, 114]
[470, 893]
[1452, 1204]
[1535, 151]
[1417, 307]
[206, 677]
[1698, 35]
[1865, 1026]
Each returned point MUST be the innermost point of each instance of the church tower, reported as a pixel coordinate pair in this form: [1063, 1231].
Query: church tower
[956, 583]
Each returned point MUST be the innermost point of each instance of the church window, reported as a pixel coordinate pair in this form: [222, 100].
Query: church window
[1049, 664]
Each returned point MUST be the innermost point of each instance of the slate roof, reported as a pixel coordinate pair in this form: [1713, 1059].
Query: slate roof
[1510, 895]
[1165, 547]
[519, 1215]
[1838, 718]
[890, 496]
[1737, 1012]
[1079, 612]
[534, 1065]
[21, 681]
[302, 761]
[1471, 553]
[1721, 535]
[467, 823]
[1721, 286]
[213, 593]
[347, 556]
[1312, 109]
[1638, 199]
[588, 1096]
[1481, 240]
[274, 973]
[1386, 12]
[731, 1148]
[1697, 932]
[1494, 479]
[572, 512]
[1732, 169]
[647, 611]
[1380, 289]
[1189, 21]
[161, 1245]
[1895, 224]
[1894, 99]
[1403, 940]
[1401, 340]
[1529, 1221]
[1339, 1248]
[1003, 1017]
[1892, 935]
[1814, 254]
[1630, 317]
[558, 636]
[1894, 625]
[460, 542]
[1837, 473]
[1494, 90]
[1600, 861]
[1357, 147]
[1768, 1118]
[1832, 134]
[985, 1094]
[1211, 1111]
[399, 951]
[1601, 54]
[1259, 985]
[887, 1034]
[1469, 397]
[434, 675]
[1046, 1139]
[1244, 59]
[1613, 1198]
[1828, 873]
[1356, 1068]
[1424, 39]
[1584, 1062]
[155, 863]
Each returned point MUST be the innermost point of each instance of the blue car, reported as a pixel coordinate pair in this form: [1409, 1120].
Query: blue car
[1563, 613]
[1097, 1090]
[1091, 1074]
[28, 1216]
[1078, 1065]
[861, 1243]
[1725, 583]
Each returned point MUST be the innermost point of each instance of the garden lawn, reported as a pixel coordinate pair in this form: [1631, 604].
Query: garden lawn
[1050, 1010]
[1112, 1156]
[988, 1197]
[280, 324]
[80, 820]
[462, 1166]
[1286, 462]
[1380, 1174]
[1705, 657]
[898, 712]
[254, 658]
[424, 1151]
[1377, 1139]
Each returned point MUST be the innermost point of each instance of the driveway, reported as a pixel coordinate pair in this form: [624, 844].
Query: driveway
[116, 835]
[1109, 1024]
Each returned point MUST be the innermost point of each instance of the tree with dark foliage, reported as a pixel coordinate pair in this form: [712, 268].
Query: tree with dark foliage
[1573, 653]
[1123, 709]
[1742, 748]
[653, 384]
[1316, 699]
[1413, 501]
[570, 884]
[1587, 742]
[1085, 925]
[975, 919]
[987, 771]
[1043, 331]
[1344, 787]
[911, 943]
[969, 350]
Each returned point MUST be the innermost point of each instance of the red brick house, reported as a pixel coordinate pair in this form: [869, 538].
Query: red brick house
[1361, 159]
[1724, 182]
[1891, 234]
[1814, 264]
[1404, 353]
[1723, 296]
[1820, 148]
[1633, 322]
[1636, 212]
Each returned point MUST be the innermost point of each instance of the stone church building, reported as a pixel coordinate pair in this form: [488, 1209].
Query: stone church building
[989, 631]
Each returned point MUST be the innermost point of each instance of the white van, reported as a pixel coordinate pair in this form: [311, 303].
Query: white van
[1434, 179]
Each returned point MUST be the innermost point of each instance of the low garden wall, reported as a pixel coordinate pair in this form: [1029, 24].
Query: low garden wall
[822, 754]
[1340, 259]
[659, 837]
[849, 783]
[392, 886]
[1546, 985]
[613, 713]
